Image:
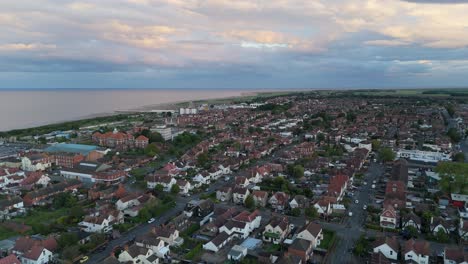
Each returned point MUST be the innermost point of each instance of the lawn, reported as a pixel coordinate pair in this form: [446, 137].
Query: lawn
[42, 216]
[6, 233]
[328, 239]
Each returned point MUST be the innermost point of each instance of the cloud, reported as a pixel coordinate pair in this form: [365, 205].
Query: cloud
[355, 42]
[26, 46]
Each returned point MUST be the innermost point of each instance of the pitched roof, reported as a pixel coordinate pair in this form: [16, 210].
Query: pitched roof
[420, 247]
[391, 241]
[313, 228]
[10, 259]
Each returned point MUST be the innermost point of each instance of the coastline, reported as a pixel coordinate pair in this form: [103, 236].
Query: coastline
[174, 105]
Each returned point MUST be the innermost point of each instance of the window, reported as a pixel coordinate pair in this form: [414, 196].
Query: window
[391, 252]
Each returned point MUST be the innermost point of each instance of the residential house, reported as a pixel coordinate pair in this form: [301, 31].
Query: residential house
[157, 179]
[299, 201]
[184, 186]
[10, 259]
[416, 251]
[439, 224]
[239, 194]
[224, 194]
[150, 241]
[169, 234]
[217, 242]
[10, 207]
[337, 186]
[237, 253]
[260, 198]
[242, 182]
[389, 217]
[301, 248]
[101, 221]
[324, 205]
[276, 230]
[136, 255]
[454, 255]
[279, 201]
[311, 232]
[463, 229]
[411, 220]
[388, 246]
[35, 250]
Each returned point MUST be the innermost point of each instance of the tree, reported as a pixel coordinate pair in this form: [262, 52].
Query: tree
[77, 212]
[454, 177]
[450, 110]
[311, 212]
[375, 144]
[453, 135]
[156, 137]
[296, 212]
[67, 239]
[159, 188]
[459, 157]
[202, 160]
[71, 252]
[386, 154]
[175, 189]
[249, 202]
[441, 236]
[412, 231]
[298, 171]
[151, 150]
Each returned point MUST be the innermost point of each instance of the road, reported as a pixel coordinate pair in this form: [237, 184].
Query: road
[145, 228]
[349, 232]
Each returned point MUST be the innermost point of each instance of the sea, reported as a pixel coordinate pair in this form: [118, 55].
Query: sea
[30, 108]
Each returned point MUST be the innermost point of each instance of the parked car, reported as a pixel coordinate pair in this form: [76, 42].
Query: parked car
[357, 201]
[364, 207]
[151, 220]
[84, 259]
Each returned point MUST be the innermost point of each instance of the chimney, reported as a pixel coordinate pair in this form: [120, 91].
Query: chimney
[126, 247]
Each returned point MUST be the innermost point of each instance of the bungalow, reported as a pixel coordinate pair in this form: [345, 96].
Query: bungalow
[237, 253]
[224, 194]
[218, 242]
[389, 217]
[276, 230]
[239, 194]
[279, 201]
[311, 232]
[416, 251]
[260, 198]
[388, 246]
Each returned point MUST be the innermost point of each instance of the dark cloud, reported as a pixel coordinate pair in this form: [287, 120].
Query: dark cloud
[438, 1]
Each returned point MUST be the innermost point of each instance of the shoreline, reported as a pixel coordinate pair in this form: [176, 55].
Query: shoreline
[146, 108]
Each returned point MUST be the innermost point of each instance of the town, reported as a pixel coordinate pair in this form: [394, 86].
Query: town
[306, 177]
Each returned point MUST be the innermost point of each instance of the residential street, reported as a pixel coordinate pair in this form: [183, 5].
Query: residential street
[349, 232]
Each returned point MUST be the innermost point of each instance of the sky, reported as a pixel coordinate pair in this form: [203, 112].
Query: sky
[233, 44]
